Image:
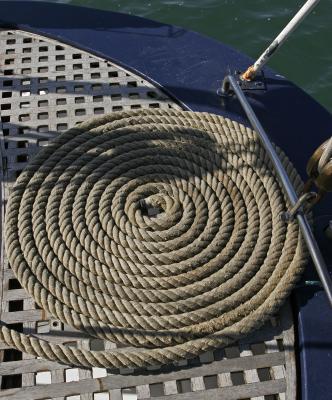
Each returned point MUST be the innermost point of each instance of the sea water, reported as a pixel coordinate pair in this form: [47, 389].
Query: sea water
[249, 26]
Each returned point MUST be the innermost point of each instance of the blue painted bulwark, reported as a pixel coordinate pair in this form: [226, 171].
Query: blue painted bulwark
[315, 344]
[191, 67]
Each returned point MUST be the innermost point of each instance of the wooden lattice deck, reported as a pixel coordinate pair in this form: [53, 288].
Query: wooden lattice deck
[47, 87]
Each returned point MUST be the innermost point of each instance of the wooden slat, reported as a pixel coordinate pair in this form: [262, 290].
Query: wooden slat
[170, 387]
[22, 316]
[197, 384]
[232, 392]
[250, 375]
[217, 367]
[119, 381]
[143, 392]
[278, 371]
[16, 294]
[85, 373]
[57, 376]
[288, 343]
[28, 378]
[29, 365]
[224, 379]
[115, 394]
[8, 274]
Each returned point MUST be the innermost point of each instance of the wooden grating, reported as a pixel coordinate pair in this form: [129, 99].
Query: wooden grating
[47, 87]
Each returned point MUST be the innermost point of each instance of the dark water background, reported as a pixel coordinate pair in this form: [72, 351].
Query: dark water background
[249, 25]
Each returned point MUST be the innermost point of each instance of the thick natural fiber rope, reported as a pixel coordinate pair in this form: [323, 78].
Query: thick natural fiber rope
[213, 266]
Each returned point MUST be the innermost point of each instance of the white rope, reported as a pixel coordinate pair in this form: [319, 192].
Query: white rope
[213, 266]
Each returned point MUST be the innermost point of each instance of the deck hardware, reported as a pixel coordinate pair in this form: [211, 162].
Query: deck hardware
[303, 205]
[319, 168]
[259, 83]
[230, 83]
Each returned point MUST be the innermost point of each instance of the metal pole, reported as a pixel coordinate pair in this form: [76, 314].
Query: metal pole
[280, 39]
[308, 236]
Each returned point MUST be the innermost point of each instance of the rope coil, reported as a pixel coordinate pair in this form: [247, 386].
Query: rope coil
[212, 263]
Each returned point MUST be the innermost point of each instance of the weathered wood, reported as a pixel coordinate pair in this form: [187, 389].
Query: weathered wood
[224, 379]
[288, 344]
[7, 273]
[278, 371]
[23, 316]
[170, 387]
[116, 394]
[119, 381]
[16, 294]
[85, 373]
[232, 392]
[57, 376]
[143, 392]
[250, 375]
[197, 384]
[81, 383]
[217, 367]
[28, 378]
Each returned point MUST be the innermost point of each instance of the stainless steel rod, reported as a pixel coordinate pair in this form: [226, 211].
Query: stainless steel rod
[308, 236]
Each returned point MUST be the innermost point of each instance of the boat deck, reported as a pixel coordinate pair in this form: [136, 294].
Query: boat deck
[48, 87]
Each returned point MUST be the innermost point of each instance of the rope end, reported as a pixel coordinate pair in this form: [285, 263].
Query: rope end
[249, 74]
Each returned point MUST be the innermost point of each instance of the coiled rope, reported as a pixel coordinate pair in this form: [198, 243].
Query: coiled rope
[213, 264]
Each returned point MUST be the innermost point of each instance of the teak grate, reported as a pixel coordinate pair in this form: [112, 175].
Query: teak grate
[47, 87]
